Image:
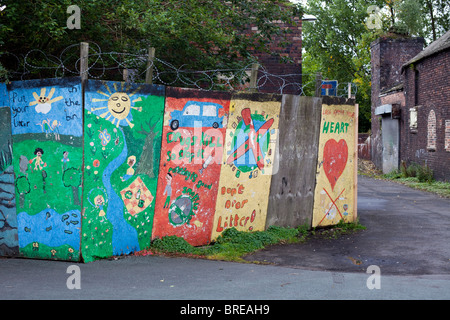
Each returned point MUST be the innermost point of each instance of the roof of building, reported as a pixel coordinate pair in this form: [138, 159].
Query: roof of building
[439, 45]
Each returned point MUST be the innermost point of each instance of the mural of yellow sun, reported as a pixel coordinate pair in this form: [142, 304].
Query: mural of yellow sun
[119, 104]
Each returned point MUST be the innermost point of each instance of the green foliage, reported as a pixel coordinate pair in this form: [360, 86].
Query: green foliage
[198, 33]
[72, 177]
[409, 21]
[5, 159]
[425, 174]
[172, 244]
[338, 42]
[419, 177]
[230, 245]
[346, 227]
[338, 45]
[409, 171]
[23, 185]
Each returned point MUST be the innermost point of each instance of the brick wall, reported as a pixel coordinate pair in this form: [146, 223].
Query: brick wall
[388, 56]
[291, 72]
[427, 145]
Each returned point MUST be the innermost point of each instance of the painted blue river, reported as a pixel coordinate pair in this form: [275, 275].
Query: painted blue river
[50, 228]
[124, 236]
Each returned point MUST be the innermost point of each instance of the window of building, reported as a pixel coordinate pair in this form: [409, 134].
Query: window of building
[447, 135]
[413, 119]
[431, 145]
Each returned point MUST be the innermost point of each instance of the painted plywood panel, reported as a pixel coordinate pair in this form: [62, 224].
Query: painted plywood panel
[248, 163]
[122, 143]
[46, 123]
[335, 192]
[192, 147]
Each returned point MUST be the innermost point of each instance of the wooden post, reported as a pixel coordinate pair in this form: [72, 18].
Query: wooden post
[254, 77]
[84, 52]
[150, 61]
[318, 92]
[126, 76]
[349, 90]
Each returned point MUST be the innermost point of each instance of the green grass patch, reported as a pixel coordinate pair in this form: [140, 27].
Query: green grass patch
[414, 175]
[419, 177]
[334, 231]
[232, 244]
[438, 187]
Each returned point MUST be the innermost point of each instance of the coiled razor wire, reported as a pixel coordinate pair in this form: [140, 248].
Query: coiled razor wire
[68, 64]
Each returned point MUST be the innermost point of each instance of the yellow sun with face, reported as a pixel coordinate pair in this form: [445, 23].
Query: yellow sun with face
[119, 103]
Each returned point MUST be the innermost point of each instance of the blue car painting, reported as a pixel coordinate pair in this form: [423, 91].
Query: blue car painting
[206, 113]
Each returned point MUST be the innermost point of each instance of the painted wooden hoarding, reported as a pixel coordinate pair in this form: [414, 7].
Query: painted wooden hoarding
[46, 123]
[335, 192]
[247, 163]
[141, 162]
[191, 154]
[122, 143]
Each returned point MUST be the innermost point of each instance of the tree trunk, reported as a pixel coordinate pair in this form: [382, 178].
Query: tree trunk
[21, 200]
[433, 24]
[145, 164]
[76, 199]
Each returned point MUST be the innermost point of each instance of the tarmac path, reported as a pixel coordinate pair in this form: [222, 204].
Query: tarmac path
[407, 237]
[407, 233]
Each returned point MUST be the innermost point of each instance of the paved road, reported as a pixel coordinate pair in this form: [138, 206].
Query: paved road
[407, 237]
[408, 233]
[189, 279]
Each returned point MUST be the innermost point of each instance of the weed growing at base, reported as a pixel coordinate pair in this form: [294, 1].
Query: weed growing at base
[230, 245]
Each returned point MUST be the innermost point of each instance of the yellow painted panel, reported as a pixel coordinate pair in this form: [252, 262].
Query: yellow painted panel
[335, 192]
[247, 166]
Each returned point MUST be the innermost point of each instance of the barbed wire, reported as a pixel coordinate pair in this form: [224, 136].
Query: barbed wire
[103, 64]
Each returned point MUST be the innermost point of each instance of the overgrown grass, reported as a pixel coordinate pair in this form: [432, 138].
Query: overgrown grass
[415, 176]
[438, 187]
[419, 177]
[342, 228]
[232, 244]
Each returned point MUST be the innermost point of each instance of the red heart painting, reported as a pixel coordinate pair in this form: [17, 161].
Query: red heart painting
[335, 155]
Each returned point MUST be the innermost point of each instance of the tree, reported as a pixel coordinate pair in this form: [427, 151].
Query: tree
[72, 178]
[437, 17]
[145, 165]
[338, 44]
[199, 33]
[23, 188]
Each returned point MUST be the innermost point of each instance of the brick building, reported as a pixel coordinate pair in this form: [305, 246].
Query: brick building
[274, 74]
[411, 104]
